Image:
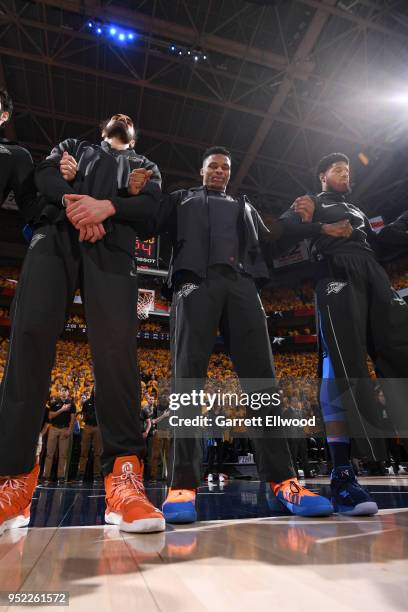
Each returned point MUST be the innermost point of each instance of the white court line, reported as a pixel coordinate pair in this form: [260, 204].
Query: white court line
[103, 526]
[280, 520]
[291, 520]
[203, 526]
[389, 492]
[356, 535]
[392, 510]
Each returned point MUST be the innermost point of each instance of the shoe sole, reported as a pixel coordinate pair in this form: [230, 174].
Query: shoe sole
[180, 517]
[364, 509]
[150, 525]
[14, 523]
[296, 511]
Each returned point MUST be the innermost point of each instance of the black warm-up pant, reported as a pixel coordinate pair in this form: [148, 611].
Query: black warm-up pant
[229, 301]
[298, 448]
[55, 265]
[360, 313]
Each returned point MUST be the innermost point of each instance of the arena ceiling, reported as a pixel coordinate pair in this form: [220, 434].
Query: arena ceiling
[284, 82]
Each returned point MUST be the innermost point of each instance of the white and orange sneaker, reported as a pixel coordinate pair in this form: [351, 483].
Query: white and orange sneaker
[126, 503]
[16, 493]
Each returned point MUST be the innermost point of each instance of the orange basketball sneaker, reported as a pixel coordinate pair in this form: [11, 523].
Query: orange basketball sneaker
[16, 493]
[299, 500]
[126, 503]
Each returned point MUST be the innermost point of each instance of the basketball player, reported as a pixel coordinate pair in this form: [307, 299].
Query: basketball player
[94, 202]
[216, 263]
[359, 313]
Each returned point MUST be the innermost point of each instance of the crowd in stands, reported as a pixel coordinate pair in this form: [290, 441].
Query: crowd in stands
[398, 272]
[4, 313]
[283, 298]
[7, 276]
[73, 368]
[296, 331]
[149, 326]
[274, 299]
[77, 319]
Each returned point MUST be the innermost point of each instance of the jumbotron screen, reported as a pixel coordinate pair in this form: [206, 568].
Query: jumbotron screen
[147, 253]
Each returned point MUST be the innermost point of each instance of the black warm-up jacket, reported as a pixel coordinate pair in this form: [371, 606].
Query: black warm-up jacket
[331, 207]
[102, 173]
[184, 215]
[17, 175]
[394, 237]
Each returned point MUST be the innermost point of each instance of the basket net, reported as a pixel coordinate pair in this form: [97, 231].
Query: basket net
[145, 304]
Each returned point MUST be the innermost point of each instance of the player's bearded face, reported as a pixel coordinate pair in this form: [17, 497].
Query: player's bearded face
[121, 127]
[337, 177]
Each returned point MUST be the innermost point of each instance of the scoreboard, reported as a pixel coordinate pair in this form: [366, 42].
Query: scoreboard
[147, 253]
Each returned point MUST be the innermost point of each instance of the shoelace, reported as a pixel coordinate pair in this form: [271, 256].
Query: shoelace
[294, 492]
[294, 485]
[14, 484]
[120, 485]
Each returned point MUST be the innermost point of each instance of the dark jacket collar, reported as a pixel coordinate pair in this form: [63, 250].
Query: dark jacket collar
[108, 149]
[333, 196]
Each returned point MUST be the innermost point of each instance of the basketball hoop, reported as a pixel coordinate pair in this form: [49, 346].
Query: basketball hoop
[145, 303]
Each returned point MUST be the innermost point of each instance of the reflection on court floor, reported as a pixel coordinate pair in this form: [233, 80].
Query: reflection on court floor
[244, 554]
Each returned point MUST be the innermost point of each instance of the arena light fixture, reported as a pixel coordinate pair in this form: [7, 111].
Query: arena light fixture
[188, 53]
[111, 31]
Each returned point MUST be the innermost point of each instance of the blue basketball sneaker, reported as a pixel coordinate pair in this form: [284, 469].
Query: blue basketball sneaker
[348, 497]
[299, 500]
[179, 506]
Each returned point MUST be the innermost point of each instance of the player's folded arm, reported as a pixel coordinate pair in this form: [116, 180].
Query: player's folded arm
[48, 177]
[140, 211]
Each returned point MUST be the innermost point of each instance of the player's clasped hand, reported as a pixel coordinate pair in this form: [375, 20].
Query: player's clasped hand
[340, 229]
[305, 207]
[138, 179]
[87, 215]
[85, 210]
[91, 233]
[68, 167]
